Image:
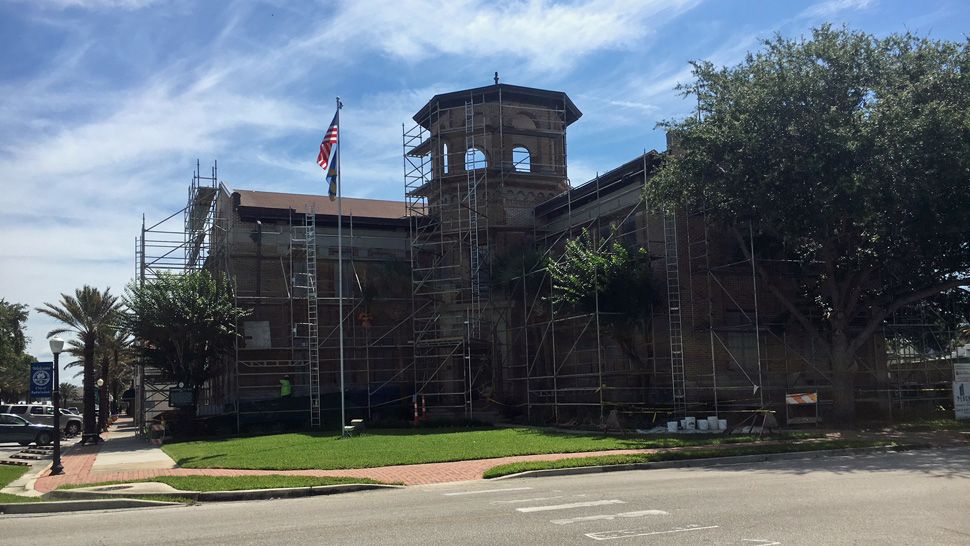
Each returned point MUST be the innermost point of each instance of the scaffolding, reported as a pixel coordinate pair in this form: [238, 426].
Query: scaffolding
[449, 240]
[171, 246]
[291, 291]
[464, 216]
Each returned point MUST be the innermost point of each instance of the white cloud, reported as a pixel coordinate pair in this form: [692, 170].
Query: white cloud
[832, 7]
[95, 4]
[545, 35]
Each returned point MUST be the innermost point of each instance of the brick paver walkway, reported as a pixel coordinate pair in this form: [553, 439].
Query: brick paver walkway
[77, 469]
[79, 461]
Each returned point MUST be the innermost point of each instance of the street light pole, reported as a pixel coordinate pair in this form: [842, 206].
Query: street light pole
[57, 345]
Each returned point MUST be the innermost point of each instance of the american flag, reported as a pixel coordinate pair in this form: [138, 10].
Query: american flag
[327, 145]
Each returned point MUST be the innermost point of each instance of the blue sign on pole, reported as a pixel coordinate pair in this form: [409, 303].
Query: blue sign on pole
[41, 379]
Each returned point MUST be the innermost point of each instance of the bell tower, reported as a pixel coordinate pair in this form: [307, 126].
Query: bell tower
[476, 163]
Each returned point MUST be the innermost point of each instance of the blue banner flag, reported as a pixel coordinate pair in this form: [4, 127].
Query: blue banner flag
[41, 379]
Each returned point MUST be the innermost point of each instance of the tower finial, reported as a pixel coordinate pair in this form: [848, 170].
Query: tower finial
[496, 78]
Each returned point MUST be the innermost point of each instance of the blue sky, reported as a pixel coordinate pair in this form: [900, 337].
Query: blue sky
[106, 104]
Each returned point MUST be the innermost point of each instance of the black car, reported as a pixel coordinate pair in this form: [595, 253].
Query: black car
[14, 428]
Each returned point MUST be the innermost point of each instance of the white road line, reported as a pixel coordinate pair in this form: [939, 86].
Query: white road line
[630, 533]
[761, 541]
[570, 505]
[487, 491]
[534, 499]
[637, 514]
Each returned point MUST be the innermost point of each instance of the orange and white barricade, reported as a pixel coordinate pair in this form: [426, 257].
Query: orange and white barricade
[795, 401]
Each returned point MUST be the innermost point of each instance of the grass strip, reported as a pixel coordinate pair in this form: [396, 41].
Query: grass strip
[397, 447]
[9, 473]
[235, 483]
[607, 460]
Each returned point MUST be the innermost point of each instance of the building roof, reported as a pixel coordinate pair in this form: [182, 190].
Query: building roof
[628, 173]
[529, 95]
[268, 201]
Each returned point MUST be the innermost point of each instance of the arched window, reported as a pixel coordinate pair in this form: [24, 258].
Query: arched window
[474, 159]
[521, 160]
[444, 158]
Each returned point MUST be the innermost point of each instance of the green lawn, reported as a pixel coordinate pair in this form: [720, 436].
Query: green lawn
[395, 446]
[9, 473]
[607, 460]
[236, 483]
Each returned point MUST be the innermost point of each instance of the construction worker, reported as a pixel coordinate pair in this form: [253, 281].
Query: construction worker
[286, 387]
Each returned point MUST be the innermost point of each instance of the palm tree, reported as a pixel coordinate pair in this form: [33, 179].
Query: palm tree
[86, 314]
[114, 345]
[69, 392]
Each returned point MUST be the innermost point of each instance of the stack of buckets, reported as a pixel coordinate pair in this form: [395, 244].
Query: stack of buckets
[712, 423]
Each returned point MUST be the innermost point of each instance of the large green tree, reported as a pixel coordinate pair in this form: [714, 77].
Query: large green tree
[14, 363]
[184, 324]
[852, 154]
[87, 313]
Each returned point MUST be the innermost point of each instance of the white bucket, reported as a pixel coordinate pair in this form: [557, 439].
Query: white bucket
[703, 425]
[722, 424]
[712, 422]
[671, 426]
[690, 423]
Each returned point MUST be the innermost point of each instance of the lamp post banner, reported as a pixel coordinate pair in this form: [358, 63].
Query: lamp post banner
[961, 391]
[41, 379]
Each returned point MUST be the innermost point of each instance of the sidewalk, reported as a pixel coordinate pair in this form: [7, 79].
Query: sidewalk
[125, 457]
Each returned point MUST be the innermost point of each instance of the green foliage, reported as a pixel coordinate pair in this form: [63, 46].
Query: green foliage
[593, 276]
[186, 323]
[14, 363]
[852, 153]
[69, 392]
[87, 314]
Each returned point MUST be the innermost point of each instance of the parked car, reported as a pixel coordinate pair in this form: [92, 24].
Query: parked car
[43, 414]
[14, 428]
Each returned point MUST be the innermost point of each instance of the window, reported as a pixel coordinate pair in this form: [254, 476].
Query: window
[474, 159]
[521, 159]
[36, 410]
[20, 410]
[444, 158]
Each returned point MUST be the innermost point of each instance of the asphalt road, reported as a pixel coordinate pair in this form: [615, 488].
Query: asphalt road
[918, 497]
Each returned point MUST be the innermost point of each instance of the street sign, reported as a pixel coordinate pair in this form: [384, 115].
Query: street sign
[961, 391]
[180, 397]
[41, 379]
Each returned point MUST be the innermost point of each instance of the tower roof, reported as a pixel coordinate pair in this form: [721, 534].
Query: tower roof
[492, 93]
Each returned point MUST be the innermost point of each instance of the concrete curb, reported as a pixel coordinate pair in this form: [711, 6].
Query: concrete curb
[291, 492]
[79, 505]
[227, 496]
[712, 461]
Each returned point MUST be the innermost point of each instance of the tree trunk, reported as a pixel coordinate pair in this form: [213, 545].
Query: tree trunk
[104, 404]
[843, 382]
[89, 386]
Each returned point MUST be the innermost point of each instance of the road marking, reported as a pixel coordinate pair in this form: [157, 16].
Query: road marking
[487, 491]
[570, 505]
[761, 541]
[637, 514]
[534, 499]
[630, 533]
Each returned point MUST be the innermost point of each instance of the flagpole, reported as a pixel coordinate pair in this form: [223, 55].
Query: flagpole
[340, 270]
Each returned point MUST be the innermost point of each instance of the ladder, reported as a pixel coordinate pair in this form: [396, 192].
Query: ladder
[475, 253]
[310, 329]
[677, 375]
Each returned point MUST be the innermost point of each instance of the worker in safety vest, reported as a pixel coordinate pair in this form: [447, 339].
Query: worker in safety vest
[286, 386]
